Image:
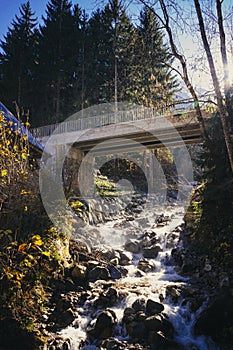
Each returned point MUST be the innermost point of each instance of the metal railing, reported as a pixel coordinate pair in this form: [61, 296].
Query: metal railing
[101, 120]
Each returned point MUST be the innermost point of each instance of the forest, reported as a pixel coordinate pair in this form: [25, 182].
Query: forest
[72, 61]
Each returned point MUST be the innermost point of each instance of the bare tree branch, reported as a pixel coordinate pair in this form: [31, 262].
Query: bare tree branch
[222, 110]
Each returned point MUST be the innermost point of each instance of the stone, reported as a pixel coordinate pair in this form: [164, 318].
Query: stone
[125, 258]
[153, 307]
[66, 318]
[153, 323]
[104, 324]
[139, 305]
[112, 344]
[79, 272]
[145, 266]
[99, 273]
[115, 272]
[151, 252]
[133, 246]
[136, 330]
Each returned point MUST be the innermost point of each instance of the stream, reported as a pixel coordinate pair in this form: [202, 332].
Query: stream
[146, 277]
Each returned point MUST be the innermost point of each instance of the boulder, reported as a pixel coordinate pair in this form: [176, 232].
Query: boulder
[79, 272]
[125, 258]
[151, 252]
[99, 273]
[112, 344]
[153, 323]
[136, 330]
[104, 324]
[139, 304]
[153, 307]
[133, 246]
[145, 266]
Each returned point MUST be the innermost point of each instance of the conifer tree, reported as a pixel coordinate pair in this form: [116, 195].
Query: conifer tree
[18, 59]
[57, 55]
[154, 85]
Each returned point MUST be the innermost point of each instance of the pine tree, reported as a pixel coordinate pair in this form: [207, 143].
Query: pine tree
[57, 61]
[152, 84]
[110, 51]
[18, 59]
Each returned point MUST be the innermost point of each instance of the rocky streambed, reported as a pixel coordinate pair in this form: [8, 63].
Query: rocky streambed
[133, 292]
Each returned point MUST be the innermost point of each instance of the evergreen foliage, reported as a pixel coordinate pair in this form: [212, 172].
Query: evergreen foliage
[18, 60]
[71, 61]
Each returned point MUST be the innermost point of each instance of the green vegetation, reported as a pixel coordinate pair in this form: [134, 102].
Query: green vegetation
[71, 62]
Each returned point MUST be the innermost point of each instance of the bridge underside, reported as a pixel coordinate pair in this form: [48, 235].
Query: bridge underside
[190, 134]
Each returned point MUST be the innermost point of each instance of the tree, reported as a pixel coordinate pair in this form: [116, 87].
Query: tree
[223, 103]
[110, 34]
[223, 108]
[57, 61]
[18, 60]
[154, 83]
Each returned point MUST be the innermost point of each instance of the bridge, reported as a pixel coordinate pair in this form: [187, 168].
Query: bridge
[117, 133]
[141, 125]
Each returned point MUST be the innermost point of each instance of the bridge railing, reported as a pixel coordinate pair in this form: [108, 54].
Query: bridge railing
[97, 121]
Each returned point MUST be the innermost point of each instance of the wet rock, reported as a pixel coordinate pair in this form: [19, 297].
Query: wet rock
[129, 315]
[158, 341]
[107, 298]
[145, 265]
[173, 292]
[125, 258]
[151, 252]
[66, 318]
[104, 324]
[162, 219]
[177, 256]
[79, 272]
[112, 344]
[153, 307]
[153, 323]
[136, 330]
[133, 246]
[116, 272]
[139, 305]
[99, 273]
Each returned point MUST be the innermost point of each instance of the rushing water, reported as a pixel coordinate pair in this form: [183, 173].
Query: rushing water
[151, 285]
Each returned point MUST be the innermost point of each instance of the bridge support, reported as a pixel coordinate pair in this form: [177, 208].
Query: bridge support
[72, 165]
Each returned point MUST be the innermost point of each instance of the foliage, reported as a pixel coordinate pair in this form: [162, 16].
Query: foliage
[27, 267]
[18, 59]
[105, 187]
[210, 213]
[71, 62]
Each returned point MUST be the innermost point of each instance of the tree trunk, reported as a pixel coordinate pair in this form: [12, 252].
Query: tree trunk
[221, 108]
[182, 60]
[116, 87]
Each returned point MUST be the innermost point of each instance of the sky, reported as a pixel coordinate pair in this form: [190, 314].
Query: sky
[10, 8]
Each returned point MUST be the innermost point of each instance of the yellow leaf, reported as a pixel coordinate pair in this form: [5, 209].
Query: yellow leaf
[4, 173]
[46, 254]
[24, 156]
[36, 239]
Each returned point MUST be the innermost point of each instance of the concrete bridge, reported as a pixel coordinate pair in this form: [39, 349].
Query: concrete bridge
[141, 125]
[118, 133]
